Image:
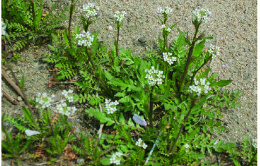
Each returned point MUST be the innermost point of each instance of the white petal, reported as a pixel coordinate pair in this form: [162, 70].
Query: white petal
[31, 132]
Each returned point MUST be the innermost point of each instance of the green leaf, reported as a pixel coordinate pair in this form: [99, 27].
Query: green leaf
[160, 43]
[160, 20]
[38, 17]
[124, 148]
[198, 48]
[108, 75]
[173, 26]
[223, 83]
[105, 161]
[28, 115]
[208, 37]
[118, 82]
[22, 82]
[101, 116]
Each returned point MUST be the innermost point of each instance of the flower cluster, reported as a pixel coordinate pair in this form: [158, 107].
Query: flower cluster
[167, 57]
[154, 76]
[68, 95]
[90, 9]
[44, 101]
[186, 146]
[119, 15]
[200, 86]
[214, 50]
[202, 15]
[63, 108]
[115, 159]
[3, 29]
[167, 10]
[140, 143]
[166, 28]
[111, 106]
[86, 39]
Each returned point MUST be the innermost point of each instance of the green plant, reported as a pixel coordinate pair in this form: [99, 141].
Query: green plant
[26, 22]
[245, 155]
[158, 109]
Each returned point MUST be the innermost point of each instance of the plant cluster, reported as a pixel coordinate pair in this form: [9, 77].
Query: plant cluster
[26, 21]
[158, 109]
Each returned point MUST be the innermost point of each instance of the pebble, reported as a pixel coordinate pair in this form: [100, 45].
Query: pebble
[19, 98]
[110, 28]
[80, 161]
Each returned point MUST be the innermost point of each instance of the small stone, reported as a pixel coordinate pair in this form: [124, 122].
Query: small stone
[80, 161]
[110, 28]
[19, 99]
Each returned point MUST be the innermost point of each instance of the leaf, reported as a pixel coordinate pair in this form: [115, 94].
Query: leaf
[118, 82]
[28, 115]
[223, 83]
[160, 43]
[108, 75]
[208, 37]
[22, 82]
[105, 161]
[99, 115]
[198, 48]
[38, 17]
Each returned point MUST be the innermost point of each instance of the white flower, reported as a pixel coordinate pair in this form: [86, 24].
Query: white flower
[214, 50]
[31, 132]
[167, 10]
[202, 15]
[166, 28]
[68, 95]
[115, 159]
[140, 143]
[85, 39]
[44, 101]
[111, 106]
[154, 76]
[186, 146]
[3, 29]
[167, 57]
[200, 86]
[64, 109]
[119, 15]
[90, 10]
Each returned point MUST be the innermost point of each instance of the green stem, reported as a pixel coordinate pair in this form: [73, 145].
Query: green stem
[103, 83]
[71, 13]
[188, 59]
[198, 70]
[117, 39]
[151, 108]
[184, 121]
[34, 17]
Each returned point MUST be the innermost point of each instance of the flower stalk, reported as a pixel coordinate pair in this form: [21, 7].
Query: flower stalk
[189, 55]
[182, 125]
[151, 108]
[71, 13]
